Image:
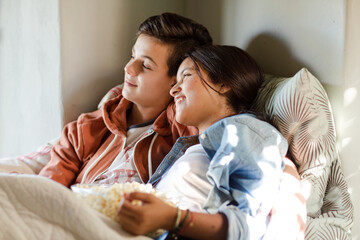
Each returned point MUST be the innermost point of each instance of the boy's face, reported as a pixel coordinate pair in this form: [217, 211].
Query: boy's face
[146, 81]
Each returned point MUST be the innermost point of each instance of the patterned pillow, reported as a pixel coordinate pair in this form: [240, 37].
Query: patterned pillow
[299, 107]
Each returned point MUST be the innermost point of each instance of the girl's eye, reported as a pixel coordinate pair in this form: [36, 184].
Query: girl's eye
[187, 75]
[146, 67]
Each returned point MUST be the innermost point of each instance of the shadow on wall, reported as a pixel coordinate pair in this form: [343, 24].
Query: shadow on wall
[211, 18]
[274, 56]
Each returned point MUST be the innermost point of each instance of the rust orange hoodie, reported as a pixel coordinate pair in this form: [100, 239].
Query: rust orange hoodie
[88, 146]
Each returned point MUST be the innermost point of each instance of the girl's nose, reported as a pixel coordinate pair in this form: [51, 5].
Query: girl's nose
[175, 89]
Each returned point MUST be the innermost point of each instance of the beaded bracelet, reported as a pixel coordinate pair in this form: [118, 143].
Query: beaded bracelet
[181, 225]
[190, 224]
[174, 233]
[178, 217]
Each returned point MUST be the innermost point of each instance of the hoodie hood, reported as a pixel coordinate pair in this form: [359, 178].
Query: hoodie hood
[114, 115]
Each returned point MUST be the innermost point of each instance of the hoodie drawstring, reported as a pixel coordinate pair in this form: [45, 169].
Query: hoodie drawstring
[149, 155]
[98, 159]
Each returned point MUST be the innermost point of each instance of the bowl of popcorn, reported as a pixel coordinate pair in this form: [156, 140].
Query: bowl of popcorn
[106, 198]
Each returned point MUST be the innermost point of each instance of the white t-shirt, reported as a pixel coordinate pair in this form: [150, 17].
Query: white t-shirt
[186, 180]
[123, 168]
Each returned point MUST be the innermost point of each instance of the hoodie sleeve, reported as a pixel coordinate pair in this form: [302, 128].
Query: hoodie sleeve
[78, 143]
[66, 156]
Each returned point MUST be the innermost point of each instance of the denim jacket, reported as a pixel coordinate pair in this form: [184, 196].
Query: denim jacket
[246, 164]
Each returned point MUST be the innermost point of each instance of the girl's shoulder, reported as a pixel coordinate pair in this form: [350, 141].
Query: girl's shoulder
[247, 122]
[243, 120]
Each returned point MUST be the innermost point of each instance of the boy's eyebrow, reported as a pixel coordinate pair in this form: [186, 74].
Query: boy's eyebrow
[152, 60]
[145, 56]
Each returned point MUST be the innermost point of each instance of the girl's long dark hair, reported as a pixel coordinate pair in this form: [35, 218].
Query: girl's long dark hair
[235, 68]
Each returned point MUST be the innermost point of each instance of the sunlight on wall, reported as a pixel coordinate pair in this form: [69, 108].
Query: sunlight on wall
[349, 99]
[345, 142]
[30, 101]
[349, 96]
[356, 172]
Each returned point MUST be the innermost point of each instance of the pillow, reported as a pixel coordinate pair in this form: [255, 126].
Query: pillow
[31, 163]
[113, 92]
[300, 109]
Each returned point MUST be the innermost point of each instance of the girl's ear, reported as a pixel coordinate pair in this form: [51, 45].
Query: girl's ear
[224, 89]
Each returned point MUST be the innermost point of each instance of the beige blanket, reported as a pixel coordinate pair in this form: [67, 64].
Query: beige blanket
[34, 207]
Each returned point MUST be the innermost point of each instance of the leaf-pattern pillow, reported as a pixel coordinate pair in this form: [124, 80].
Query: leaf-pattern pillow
[299, 107]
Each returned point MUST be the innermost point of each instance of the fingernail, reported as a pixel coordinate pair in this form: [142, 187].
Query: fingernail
[121, 203]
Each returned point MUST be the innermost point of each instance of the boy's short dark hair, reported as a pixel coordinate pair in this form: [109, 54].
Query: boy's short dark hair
[183, 34]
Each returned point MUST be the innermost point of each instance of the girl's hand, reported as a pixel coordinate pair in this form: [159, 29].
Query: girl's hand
[153, 214]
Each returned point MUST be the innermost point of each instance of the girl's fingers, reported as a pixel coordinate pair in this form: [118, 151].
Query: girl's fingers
[144, 197]
[144, 218]
[129, 209]
[129, 225]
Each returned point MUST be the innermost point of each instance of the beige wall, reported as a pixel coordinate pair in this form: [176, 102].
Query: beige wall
[349, 114]
[30, 104]
[282, 35]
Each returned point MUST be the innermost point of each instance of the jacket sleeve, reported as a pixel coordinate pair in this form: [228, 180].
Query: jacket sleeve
[246, 171]
[65, 156]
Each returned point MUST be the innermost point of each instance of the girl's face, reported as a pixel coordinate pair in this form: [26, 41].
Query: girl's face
[146, 81]
[197, 104]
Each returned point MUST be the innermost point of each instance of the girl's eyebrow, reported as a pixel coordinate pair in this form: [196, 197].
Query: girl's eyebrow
[187, 68]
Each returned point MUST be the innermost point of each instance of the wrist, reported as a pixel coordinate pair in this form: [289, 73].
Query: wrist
[172, 218]
[183, 222]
